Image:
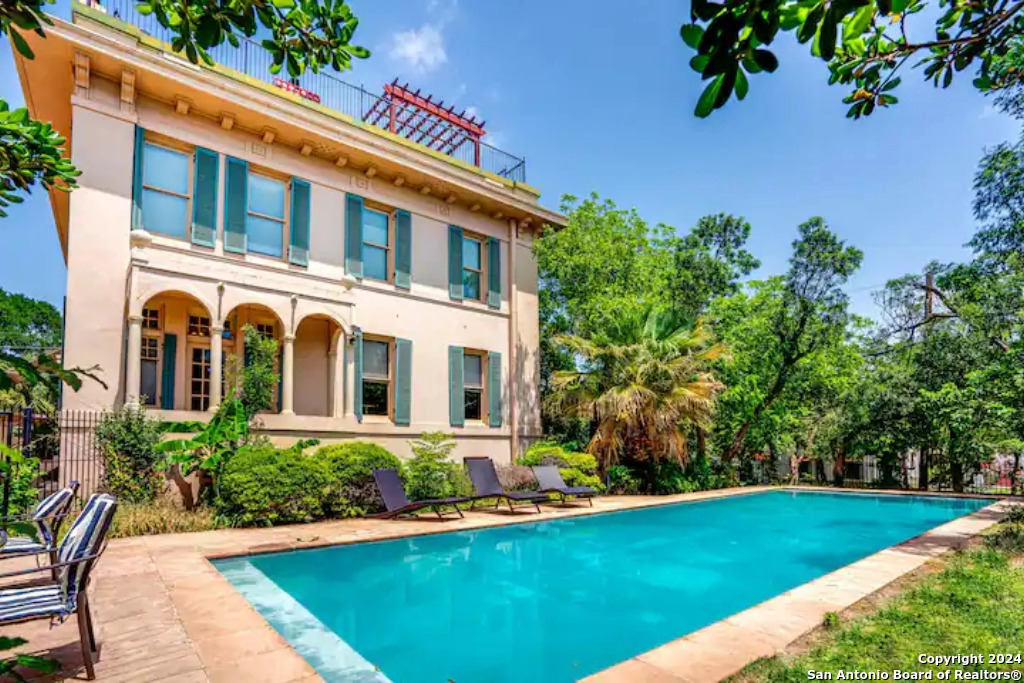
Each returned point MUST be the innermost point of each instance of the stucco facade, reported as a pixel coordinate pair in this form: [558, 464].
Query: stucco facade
[160, 314]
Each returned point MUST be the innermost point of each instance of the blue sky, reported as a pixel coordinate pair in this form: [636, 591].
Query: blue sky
[600, 98]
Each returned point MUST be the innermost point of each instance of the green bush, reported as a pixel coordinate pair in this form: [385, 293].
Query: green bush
[24, 492]
[577, 469]
[621, 480]
[430, 473]
[265, 486]
[351, 467]
[128, 441]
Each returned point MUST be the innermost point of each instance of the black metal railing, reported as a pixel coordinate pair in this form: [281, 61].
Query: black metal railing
[253, 60]
[64, 443]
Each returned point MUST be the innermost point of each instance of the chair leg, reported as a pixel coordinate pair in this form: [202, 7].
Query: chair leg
[83, 637]
[53, 560]
[88, 620]
[461, 516]
[590, 499]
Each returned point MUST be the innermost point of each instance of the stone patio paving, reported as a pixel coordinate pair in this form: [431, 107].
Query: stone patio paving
[163, 613]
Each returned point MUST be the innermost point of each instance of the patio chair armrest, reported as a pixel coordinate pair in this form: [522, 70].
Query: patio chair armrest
[26, 553]
[49, 567]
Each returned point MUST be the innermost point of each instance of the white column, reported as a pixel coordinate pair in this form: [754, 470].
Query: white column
[287, 374]
[133, 374]
[216, 364]
[337, 365]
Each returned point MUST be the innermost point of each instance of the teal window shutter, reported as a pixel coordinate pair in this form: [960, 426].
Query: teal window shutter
[357, 361]
[236, 204]
[493, 273]
[403, 381]
[167, 371]
[456, 390]
[403, 249]
[354, 235]
[298, 248]
[494, 389]
[140, 151]
[454, 261]
[204, 198]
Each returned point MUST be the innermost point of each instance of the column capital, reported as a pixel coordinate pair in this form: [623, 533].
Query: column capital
[135, 319]
[216, 329]
[288, 338]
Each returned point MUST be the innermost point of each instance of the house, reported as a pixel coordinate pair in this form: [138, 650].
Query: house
[377, 238]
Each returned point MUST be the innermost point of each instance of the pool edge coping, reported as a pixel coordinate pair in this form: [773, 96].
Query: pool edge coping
[725, 647]
[219, 636]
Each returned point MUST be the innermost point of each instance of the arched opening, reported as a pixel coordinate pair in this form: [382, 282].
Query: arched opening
[266, 323]
[174, 325]
[315, 366]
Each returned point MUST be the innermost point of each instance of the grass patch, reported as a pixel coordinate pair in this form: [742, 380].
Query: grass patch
[975, 604]
[144, 519]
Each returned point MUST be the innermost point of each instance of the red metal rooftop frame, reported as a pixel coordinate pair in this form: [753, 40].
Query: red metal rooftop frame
[410, 114]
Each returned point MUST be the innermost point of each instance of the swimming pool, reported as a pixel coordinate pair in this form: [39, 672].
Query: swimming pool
[558, 600]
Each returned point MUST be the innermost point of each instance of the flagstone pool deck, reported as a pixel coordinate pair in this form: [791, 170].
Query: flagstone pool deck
[163, 613]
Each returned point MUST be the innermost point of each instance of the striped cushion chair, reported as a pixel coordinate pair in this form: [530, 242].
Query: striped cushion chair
[66, 595]
[48, 517]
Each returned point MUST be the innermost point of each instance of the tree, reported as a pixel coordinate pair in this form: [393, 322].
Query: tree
[865, 44]
[27, 324]
[254, 378]
[708, 262]
[642, 382]
[787, 320]
[303, 34]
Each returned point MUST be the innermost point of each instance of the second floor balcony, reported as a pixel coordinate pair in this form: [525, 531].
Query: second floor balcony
[398, 110]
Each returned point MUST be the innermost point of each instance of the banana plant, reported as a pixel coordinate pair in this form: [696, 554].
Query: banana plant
[10, 665]
[12, 459]
[210, 449]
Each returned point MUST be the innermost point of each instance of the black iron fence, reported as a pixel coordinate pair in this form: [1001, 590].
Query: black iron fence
[64, 443]
[1002, 476]
[252, 59]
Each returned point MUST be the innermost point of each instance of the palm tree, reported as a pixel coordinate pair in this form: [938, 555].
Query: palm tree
[643, 382]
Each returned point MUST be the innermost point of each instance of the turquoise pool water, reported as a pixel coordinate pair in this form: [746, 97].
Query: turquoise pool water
[554, 601]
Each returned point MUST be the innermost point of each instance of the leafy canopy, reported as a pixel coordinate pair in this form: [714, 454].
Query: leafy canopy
[865, 44]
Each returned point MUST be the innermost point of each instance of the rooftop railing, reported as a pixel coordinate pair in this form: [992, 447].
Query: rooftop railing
[253, 60]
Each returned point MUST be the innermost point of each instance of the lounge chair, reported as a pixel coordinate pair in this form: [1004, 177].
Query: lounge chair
[48, 517]
[397, 503]
[487, 485]
[66, 595]
[550, 480]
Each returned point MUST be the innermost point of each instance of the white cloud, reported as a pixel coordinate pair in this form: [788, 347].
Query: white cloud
[420, 48]
[988, 111]
[472, 111]
[495, 139]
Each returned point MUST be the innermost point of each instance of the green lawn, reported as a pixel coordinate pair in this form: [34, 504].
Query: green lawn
[975, 604]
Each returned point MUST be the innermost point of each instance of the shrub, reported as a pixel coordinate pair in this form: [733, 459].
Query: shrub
[160, 517]
[1009, 537]
[128, 441]
[577, 469]
[622, 481]
[516, 478]
[24, 493]
[265, 486]
[351, 466]
[1015, 515]
[430, 473]
[253, 378]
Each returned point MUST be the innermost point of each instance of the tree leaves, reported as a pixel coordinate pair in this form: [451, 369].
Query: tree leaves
[876, 41]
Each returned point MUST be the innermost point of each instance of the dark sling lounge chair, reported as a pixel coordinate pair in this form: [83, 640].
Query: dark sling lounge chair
[486, 485]
[550, 480]
[397, 503]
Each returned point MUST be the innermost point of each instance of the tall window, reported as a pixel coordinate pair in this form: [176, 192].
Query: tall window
[473, 385]
[376, 377]
[472, 267]
[166, 190]
[199, 394]
[150, 360]
[265, 222]
[375, 245]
